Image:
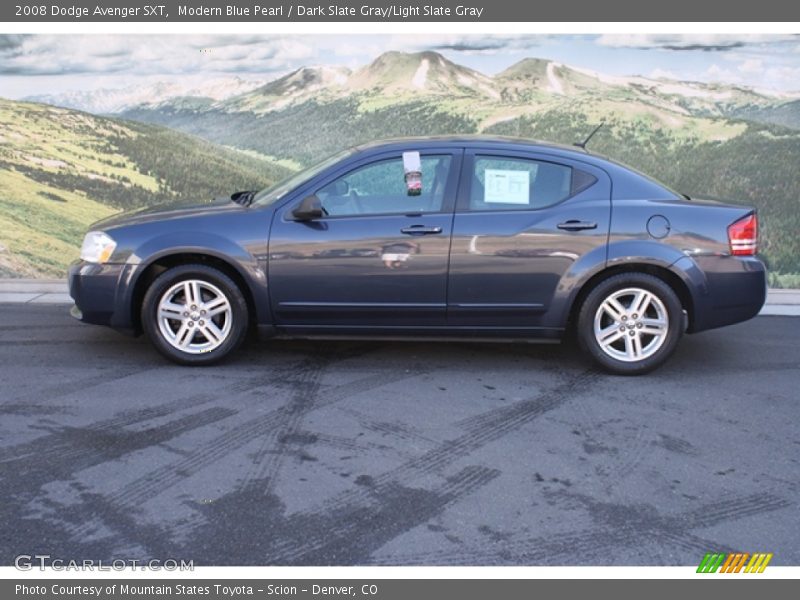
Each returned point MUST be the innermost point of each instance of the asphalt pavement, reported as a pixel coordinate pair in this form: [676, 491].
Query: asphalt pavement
[343, 453]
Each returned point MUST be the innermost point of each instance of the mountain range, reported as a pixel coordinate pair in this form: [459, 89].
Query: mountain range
[112, 101]
[431, 74]
[701, 138]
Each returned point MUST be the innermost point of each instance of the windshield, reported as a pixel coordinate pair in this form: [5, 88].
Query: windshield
[276, 191]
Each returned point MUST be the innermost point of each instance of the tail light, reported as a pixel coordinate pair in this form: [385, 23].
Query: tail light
[743, 236]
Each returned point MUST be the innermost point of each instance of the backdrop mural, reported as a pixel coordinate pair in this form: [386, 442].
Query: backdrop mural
[91, 125]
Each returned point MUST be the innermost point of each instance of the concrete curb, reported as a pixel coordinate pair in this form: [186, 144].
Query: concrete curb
[34, 291]
[54, 291]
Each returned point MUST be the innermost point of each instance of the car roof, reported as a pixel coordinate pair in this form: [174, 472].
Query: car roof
[470, 140]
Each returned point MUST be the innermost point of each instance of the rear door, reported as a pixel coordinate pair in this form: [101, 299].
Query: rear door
[522, 221]
[378, 259]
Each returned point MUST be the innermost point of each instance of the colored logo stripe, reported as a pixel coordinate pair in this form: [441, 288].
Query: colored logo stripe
[710, 563]
[734, 562]
[758, 563]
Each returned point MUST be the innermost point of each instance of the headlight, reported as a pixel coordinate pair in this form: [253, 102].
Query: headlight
[97, 247]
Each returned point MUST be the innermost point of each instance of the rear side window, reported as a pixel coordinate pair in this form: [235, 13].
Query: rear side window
[500, 183]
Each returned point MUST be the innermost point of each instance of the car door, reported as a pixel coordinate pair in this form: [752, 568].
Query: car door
[523, 220]
[378, 258]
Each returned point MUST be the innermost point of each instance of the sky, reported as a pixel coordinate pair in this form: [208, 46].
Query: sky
[52, 64]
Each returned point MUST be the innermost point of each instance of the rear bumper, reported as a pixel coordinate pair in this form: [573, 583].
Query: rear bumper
[95, 288]
[736, 289]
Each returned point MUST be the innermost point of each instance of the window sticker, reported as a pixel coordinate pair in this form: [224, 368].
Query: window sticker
[412, 165]
[507, 187]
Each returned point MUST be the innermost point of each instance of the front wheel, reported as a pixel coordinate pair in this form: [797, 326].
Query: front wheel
[630, 323]
[194, 314]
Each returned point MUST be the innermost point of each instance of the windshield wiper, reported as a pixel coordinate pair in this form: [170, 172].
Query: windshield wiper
[243, 198]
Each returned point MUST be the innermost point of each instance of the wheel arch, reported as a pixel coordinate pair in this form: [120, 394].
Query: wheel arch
[667, 275]
[158, 265]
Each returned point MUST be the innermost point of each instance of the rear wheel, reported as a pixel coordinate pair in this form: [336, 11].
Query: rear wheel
[194, 314]
[630, 323]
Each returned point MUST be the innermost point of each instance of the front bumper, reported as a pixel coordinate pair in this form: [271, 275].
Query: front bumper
[95, 288]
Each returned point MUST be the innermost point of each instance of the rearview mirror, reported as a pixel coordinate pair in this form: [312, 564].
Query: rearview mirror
[310, 208]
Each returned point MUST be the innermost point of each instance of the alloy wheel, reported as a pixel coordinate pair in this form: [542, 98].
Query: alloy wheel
[194, 316]
[631, 324]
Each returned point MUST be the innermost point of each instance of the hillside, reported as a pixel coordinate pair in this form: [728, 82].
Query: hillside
[61, 170]
[298, 85]
[786, 114]
[702, 138]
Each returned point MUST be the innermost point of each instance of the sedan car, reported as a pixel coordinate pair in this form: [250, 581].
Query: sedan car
[499, 239]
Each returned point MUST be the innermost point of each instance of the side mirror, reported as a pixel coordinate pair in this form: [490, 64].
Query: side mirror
[310, 208]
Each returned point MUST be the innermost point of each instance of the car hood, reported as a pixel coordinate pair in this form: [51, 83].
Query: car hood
[173, 210]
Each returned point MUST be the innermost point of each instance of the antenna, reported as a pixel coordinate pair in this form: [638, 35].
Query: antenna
[590, 136]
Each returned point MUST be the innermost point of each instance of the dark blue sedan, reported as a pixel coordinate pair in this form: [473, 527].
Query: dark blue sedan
[431, 238]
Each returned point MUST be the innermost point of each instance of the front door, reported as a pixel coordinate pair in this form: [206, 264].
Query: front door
[377, 258]
[523, 220]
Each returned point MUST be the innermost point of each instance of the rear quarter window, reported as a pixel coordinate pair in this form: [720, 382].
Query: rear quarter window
[500, 183]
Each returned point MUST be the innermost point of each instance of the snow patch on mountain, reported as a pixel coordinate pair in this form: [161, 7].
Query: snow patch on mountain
[421, 75]
[553, 84]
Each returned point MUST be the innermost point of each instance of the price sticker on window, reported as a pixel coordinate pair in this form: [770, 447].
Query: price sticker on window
[507, 187]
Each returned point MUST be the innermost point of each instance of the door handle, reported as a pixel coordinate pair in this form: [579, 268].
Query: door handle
[575, 225]
[420, 230]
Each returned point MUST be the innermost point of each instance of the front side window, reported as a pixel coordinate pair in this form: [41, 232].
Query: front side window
[381, 188]
[500, 183]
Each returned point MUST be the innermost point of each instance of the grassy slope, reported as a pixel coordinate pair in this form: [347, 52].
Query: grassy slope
[61, 170]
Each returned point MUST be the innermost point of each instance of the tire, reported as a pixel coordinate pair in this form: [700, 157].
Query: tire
[194, 315]
[613, 331]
